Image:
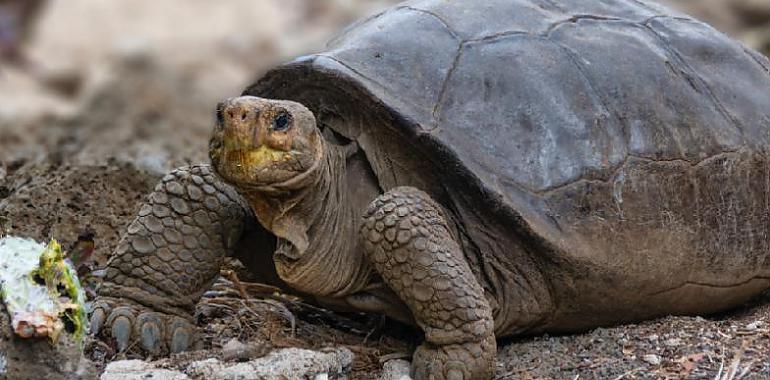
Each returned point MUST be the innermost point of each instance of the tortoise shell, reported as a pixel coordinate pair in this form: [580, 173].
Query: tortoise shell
[615, 138]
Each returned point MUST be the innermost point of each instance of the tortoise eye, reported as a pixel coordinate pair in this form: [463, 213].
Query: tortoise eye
[282, 122]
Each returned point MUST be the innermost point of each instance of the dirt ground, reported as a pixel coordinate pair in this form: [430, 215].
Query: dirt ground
[102, 108]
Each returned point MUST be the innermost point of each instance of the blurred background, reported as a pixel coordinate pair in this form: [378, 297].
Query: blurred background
[86, 81]
[135, 80]
[100, 97]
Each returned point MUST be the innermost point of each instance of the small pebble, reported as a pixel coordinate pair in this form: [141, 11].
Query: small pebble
[651, 359]
[673, 342]
[753, 325]
[235, 350]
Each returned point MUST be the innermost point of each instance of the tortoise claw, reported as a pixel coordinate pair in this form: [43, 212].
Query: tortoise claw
[180, 336]
[150, 334]
[121, 331]
[97, 320]
[157, 333]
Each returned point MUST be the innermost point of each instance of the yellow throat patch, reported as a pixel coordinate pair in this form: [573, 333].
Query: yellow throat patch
[255, 157]
[264, 155]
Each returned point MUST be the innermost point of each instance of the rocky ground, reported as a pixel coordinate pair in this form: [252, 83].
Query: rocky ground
[100, 109]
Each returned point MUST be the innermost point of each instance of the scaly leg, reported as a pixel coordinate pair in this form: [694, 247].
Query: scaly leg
[408, 242]
[170, 255]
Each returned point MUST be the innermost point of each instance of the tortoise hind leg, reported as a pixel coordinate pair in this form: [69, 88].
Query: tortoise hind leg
[408, 242]
[170, 255]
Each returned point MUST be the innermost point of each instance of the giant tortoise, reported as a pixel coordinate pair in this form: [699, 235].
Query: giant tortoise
[476, 169]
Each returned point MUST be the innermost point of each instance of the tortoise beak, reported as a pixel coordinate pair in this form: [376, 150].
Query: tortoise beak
[239, 120]
[240, 137]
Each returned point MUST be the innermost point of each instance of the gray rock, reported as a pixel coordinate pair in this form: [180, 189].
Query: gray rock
[235, 350]
[289, 363]
[397, 369]
[139, 370]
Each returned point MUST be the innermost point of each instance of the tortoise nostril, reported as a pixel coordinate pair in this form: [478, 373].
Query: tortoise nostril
[243, 116]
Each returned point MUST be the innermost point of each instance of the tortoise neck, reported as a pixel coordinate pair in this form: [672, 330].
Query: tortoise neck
[318, 248]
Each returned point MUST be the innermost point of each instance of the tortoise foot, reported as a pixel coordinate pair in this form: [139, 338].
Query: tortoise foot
[465, 361]
[408, 241]
[140, 329]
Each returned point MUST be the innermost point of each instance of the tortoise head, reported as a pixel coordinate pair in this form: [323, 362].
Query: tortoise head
[263, 142]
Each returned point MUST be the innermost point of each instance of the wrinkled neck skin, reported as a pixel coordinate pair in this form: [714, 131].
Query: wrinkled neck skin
[318, 249]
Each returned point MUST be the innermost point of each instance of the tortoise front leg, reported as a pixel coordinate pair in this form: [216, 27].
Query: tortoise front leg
[170, 255]
[408, 242]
